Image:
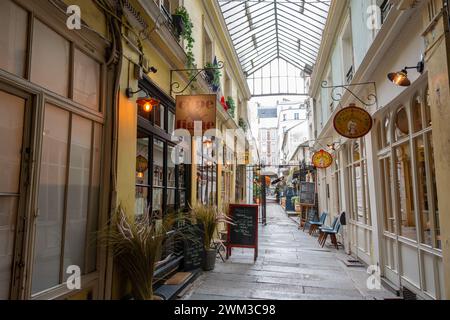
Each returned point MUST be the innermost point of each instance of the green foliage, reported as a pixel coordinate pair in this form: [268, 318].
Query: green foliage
[137, 245]
[187, 36]
[213, 73]
[231, 106]
[243, 124]
[295, 200]
[208, 217]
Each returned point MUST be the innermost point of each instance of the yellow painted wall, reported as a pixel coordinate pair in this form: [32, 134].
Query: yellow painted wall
[91, 14]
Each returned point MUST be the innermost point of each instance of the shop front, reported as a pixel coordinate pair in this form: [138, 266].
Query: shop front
[162, 182]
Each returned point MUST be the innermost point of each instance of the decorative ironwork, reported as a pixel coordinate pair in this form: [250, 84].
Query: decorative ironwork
[194, 73]
[370, 100]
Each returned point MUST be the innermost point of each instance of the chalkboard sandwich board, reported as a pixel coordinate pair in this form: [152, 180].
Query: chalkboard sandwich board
[307, 193]
[243, 233]
[193, 247]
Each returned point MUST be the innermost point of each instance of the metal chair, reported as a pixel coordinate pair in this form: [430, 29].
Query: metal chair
[317, 224]
[332, 232]
[312, 217]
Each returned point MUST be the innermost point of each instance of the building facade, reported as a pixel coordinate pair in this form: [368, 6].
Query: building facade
[78, 144]
[386, 182]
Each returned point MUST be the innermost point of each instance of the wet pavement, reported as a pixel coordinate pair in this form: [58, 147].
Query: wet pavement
[291, 266]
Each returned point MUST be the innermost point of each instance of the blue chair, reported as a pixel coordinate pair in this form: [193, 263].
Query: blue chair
[317, 224]
[312, 217]
[332, 232]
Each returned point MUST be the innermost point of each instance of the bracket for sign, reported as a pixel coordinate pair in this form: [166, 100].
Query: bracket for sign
[370, 100]
[194, 73]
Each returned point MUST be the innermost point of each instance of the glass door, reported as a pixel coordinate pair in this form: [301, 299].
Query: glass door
[13, 146]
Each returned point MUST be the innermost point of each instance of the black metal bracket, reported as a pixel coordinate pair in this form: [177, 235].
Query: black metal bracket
[193, 75]
[370, 100]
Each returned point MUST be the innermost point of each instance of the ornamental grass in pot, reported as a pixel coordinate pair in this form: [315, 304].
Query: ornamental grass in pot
[137, 245]
[208, 219]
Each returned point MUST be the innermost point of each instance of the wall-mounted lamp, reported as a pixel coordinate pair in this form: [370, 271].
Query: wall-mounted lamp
[401, 78]
[146, 103]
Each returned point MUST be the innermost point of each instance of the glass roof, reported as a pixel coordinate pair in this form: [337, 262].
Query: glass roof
[266, 30]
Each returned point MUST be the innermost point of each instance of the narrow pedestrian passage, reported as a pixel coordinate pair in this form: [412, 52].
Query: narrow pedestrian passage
[291, 266]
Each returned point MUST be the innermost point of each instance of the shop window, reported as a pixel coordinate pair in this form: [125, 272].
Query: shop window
[386, 181]
[171, 122]
[142, 174]
[434, 197]
[386, 131]
[424, 205]
[86, 84]
[50, 63]
[12, 109]
[405, 196]
[13, 38]
[417, 114]
[401, 124]
[68, 197]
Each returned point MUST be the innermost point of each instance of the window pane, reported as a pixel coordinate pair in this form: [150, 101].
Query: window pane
[8, 216]
[424, 208]
[435, 197]
[86, 83]
[159, 116]
[157, 203]
[13, 37]
[12, 111]
[142, 152]
[94, 199]
[181, 176]
[417, 115]
[401, 124]
[50, 60]
[142, 194]
[427, 108]
[182, 199]
[158, 163]
[78, 193]
[171, 122]
[359, 204]
[170, 200]
[389, 216]
[387, 134]
[170, 168]
[405, 191]
[52, 187]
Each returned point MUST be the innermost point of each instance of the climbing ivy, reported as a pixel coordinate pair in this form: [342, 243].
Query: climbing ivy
[187, 36]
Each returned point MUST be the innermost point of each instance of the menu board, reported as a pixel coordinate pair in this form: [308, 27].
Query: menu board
[307, 193]
[243, 233]
[193, 248]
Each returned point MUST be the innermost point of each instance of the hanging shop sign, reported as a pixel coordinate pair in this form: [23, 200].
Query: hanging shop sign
[191, 109]
[353, 122]
[322, 159]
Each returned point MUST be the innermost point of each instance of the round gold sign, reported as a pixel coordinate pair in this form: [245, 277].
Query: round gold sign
[353, 122]
[322, 159]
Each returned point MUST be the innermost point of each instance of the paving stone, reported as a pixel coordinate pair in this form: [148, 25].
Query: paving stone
[291, 266]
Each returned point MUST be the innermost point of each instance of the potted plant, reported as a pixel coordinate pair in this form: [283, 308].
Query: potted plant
[208, 218]
[243, 124]
[213, 75]
[137, 246]
[296, 203]
[231, 106]
[184, 29]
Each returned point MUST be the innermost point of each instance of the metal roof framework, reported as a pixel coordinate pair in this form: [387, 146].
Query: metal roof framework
[263, 31]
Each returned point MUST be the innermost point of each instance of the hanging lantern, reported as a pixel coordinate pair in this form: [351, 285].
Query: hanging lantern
[322, 159]
[141, 166]
[353, 122]
[147, 104]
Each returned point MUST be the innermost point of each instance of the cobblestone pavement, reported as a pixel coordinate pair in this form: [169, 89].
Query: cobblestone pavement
[291, 266]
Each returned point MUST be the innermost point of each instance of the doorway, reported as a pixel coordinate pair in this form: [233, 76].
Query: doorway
[15, 133]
